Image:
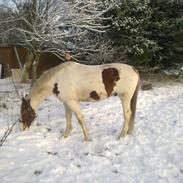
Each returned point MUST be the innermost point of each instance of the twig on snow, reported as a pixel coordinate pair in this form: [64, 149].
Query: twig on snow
[7, 133]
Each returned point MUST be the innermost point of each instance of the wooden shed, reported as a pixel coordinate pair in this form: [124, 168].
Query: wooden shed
[9, 60]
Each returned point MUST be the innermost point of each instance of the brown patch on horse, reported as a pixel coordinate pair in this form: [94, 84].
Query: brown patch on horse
[27, 113]
[94, 95]
[55, 89]
[109, 78]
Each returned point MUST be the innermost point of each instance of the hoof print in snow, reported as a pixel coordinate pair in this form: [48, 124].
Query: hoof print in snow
[61, 131]
[52, 153]
[107, 149]
[38, 124]
[78, 165]
[37, 172]
[115, 171]
[86, 153]
[146, 86]
[4, 106]
[48, 129]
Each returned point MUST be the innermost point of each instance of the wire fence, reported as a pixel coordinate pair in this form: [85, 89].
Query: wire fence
[9, 107]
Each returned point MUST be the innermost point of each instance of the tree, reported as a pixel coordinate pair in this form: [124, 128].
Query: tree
[130, 21]
[165, 29]
[147, 30]
[55, 26]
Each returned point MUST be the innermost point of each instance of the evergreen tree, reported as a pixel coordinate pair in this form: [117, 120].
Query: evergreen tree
[165, 29]
[130, 22]
[148, 31]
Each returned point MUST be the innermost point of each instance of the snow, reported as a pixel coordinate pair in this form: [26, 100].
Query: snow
[153, 154]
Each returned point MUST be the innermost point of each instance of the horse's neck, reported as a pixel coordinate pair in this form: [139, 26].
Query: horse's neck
[45, 85]
[38, 94]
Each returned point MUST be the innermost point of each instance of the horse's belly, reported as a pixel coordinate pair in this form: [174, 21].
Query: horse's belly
[92, 95]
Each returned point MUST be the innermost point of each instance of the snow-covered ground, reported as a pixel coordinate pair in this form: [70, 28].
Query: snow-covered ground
[153, 154]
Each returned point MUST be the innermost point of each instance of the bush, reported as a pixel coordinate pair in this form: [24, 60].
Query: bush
[146, 30]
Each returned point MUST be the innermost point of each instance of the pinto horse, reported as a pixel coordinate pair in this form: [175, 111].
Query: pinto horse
[72, 82]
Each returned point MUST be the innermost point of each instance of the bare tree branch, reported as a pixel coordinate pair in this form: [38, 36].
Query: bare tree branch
[56, 23]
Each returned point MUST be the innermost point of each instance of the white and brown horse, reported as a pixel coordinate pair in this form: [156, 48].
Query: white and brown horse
[72, 82]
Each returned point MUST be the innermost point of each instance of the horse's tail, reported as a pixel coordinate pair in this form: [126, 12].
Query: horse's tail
[133, 104]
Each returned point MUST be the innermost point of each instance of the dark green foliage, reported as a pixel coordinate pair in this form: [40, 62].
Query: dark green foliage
[149, 32]
[165, 29]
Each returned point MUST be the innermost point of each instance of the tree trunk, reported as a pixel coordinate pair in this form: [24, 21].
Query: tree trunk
[17, 56]
[34, 69]
[26, 67]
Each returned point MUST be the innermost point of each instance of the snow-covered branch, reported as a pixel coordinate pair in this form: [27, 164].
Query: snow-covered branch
[56, 23]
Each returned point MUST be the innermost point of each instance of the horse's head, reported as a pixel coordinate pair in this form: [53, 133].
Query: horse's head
[27, 113]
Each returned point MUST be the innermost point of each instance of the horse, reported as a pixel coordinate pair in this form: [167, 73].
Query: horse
[72, 83]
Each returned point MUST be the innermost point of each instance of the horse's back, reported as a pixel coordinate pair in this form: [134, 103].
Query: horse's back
[95, 69]
[97, 82]
[126, 73]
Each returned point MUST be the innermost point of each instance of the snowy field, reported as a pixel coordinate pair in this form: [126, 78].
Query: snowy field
[153, 154]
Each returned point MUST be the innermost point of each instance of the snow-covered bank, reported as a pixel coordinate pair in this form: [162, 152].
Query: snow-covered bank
[154, 154]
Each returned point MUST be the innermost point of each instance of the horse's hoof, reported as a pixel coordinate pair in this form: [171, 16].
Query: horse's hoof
[121, 136]
[63, 136]
[130, 131]
[66, 134]
[87, 139]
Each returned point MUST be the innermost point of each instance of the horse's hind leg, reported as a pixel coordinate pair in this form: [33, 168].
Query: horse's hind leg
[68, 114]
[75, 107]
[125, 99]
[133, 104]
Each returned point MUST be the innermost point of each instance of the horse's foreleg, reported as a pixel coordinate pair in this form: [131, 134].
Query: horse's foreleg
[75, 107]
[127, 114]
[68, 114]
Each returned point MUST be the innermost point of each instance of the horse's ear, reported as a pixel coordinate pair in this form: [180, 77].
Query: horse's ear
[23, 98]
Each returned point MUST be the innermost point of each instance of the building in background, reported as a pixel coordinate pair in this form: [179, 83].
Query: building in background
[9, 59]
